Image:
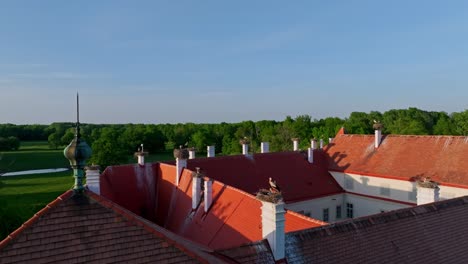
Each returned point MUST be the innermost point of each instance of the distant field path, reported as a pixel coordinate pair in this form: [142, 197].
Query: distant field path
[27, 172]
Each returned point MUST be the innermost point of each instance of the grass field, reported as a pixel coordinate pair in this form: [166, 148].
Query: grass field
[22, 196]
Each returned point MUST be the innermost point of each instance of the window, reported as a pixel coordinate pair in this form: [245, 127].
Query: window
[338, 211]
[326, 215]
[349, 210]
[349, 182]
[385, 190]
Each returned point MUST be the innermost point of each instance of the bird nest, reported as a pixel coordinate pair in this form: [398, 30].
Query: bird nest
[295, 139]
[377, 126]
[268, 196]
[426, 183]
[181, 153]
[244, 141]
[197, 173]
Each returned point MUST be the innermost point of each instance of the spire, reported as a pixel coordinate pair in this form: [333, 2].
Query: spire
[77, 152]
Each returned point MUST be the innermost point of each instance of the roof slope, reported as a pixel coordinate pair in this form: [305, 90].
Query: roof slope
[251, 173]
[432, 233]
[234, 217]
[442, 158]
[257, 252]
[89, 228]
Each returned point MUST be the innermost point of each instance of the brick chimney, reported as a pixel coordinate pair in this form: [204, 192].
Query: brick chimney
[273, 225]
[210, 151]
[196, 188]
[92, 179]
[181, 155]
[378, 133]
[191, 153]
[264, 147]
[427, 191]
[208, 195]
[140, 154]
[310, 155]
[295, 144]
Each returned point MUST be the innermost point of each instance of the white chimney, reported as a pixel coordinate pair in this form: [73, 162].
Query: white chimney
[273, 221]
[264, 147]
[313, 143]
[330, 140]
[92, 179]
[427, 192]
[321, 143]
[310, 155]
[378, 133]
[196, 188]
[208, 195]
[295, 144]
[245, 149]
[378, 137]
[191, 153]
[181, 155]
[141, 156]
[210, 150]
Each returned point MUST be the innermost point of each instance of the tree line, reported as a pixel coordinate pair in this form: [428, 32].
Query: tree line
[112, 144]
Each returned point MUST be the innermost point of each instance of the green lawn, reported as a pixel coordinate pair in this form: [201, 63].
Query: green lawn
[34, 145]
[33, 159]
[22, 196]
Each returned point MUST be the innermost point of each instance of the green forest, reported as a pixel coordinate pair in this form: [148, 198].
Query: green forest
[112, 144]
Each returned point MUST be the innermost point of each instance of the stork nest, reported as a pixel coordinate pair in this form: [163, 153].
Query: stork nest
[181, 153]
[427, 183]
[295, 139]
[197, 173]
[377, 126]
[268, 196]
[139, 153]
[244, 141]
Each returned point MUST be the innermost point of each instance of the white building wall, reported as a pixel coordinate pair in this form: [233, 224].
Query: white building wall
[447, 192]
[363, 206]
[314, 208]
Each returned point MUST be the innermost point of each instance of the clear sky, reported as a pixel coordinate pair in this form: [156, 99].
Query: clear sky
[213, 61]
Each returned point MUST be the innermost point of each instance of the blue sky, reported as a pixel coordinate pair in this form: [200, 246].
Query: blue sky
[214, 61]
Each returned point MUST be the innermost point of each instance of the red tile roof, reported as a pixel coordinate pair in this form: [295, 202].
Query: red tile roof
[431, 233]
[442, 158]
[299, 180]
[89, 228]
[233, 219]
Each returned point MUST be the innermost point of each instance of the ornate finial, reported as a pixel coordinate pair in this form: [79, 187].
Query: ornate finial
[77, 152]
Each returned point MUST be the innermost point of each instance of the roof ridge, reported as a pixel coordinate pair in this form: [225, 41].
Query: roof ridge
[382, 218]
[398, 135]
[66, 195]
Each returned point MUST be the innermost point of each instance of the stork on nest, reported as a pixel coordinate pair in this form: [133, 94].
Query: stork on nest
[274, 188]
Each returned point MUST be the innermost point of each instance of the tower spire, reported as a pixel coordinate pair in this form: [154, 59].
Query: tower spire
[77, 152]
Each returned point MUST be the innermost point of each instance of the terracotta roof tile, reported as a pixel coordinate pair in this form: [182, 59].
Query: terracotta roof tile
[88, 227]
[429, 233]
[251, 173]
[442, 158]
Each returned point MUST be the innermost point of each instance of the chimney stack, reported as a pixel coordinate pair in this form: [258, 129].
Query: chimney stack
[378, 133]
[321, 143]
[141, 156]
[92, 179]
[295, 144]
[310, 155]
[427, 191]
[313, 143]
[330, 140]
[196, 188]
[264, 147]
[273, 222]
[208, 195]
[191, 153]
[245, 146]
[181, 155]
[210, 151]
